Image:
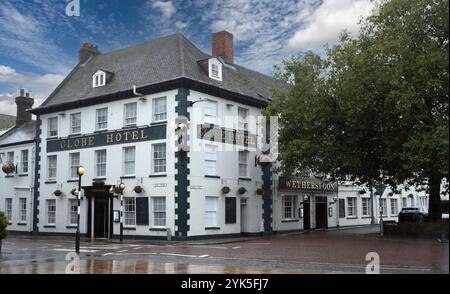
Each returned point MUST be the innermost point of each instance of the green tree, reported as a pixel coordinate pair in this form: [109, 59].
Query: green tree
[3, 225]
[375, 108]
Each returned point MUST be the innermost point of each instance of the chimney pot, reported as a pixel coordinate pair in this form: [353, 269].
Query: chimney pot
[222, 45]
[86, 51]
[22, 92]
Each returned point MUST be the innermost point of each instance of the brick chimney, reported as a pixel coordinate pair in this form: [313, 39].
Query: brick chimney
[24, 102]
[222, 45]
[86, 51]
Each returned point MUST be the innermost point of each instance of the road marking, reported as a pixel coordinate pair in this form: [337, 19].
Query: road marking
[181, 255]
[203, 256]
[125, 250]
[137, 248]
[210, 247]
[128, 253]
[236, 247]
[71, 250]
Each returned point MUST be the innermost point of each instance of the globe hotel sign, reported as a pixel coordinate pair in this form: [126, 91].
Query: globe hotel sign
[132, 135]
[302, 184]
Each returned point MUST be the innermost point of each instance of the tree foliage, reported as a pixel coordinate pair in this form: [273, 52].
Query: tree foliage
[375, 108]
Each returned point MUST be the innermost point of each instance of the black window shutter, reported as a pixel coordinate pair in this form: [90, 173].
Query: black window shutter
[142, 211]
[230, 210]
[341, 208]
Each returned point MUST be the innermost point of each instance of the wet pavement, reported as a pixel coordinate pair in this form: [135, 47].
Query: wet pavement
[339, 251]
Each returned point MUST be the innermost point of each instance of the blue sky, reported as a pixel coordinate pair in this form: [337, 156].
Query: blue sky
[39, 43]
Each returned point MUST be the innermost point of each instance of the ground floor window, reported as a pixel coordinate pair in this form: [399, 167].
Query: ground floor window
[23, 209]
[341, 208]
[383, 206]
[211, 211]
[351, 204]
[159, 211]
[51, 211]
[289, 206]
[8, 209]
[130, 211]
[404, 202]
[366, 206]
[73, 211]
[394, 207]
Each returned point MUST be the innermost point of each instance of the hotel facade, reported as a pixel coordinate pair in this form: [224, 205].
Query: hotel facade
[119, 115]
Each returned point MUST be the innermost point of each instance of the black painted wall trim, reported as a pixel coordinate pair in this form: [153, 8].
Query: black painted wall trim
[180, 83]
[267, 190]
[181, 173]
[37, 168]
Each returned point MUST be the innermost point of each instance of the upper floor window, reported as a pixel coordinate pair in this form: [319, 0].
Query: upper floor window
[242, 118]
[159, 158]
[99, 79]
[74, 163]
[159, 109]
[75, 123]
[101, 119]
[100, 163]
[128, 161]
[210, 112]
[10, 156]
[52, 127]
[130, 113]
[243, 163]
[51, 167]
[210, 159]
[24, 161]
[2, 157]
[215, 69]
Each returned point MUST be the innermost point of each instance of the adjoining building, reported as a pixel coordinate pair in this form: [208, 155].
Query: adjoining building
[117, 115]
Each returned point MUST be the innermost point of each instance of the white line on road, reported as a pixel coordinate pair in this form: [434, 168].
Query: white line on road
[125, 250]
[136, 248]
[71, 250]
[203, 256]
[236, 247]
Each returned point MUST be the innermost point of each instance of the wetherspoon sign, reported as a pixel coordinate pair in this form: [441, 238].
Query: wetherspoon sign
[302, 184]
[132, 135]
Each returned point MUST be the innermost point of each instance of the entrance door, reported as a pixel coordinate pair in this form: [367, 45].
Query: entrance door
[101, 217]
[306, 216]
[321, 213]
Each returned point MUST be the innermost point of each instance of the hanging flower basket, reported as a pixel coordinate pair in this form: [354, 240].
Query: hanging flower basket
[117, 190]
[391, 193]
[138, 189]
[8, 167]
[410, 195]
[225, 190]
[58, 193]
[259, 191]
[362, 192]
[242, 190]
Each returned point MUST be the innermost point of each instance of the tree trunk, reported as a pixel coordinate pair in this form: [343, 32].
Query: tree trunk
[0, 246]
[434, 201]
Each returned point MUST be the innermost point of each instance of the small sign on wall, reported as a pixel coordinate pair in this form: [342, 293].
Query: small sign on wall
[116, 216]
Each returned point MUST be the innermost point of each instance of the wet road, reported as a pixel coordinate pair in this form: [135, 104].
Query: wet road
[342, 251]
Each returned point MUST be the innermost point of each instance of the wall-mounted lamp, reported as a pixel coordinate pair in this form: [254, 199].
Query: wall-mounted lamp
[191, 103]
[229, 105]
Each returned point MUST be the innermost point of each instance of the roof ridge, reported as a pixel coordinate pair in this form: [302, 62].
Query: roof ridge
[180, 47]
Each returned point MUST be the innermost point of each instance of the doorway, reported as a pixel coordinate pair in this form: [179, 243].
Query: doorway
[321, 213]
[100, 211]
[306, 216]
[101, 217]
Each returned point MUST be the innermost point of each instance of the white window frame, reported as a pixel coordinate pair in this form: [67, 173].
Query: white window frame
[158, 116]
[73, 212]
[73, 166]
[75, 129]
[383, 200]
[288, 206]
[404, 202]
[210, 159]
[162, 168]
[366, 200]
[132, 119]
[99, 79]
[159, 216]
[50, 168]
[10, 156]
[2, 157]
[8, 209]
[211, 70]
[24, 161]
[243, 163]
[125, 161]
[210, 114]
[99, 124]
[243, 121]
[50, 212]
[22, 210]
[99, 164]
[211, 208]
[352, 207]
[392, 211]
[129, 214]
[52, 128]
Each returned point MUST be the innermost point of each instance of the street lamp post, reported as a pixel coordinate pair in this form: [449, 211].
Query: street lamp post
[121, 188]
[80, 172]
[379, 188]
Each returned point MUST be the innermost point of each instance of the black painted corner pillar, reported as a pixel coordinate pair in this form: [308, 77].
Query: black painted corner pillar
[37, 169]
[267, 188]
[181, 172]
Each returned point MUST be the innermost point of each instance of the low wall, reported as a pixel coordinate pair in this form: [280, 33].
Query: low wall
[436, 229]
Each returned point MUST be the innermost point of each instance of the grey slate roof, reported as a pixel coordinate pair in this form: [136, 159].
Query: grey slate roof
[156, 61]
[15, 135]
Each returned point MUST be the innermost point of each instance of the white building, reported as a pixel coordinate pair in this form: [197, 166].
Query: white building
[116, 115]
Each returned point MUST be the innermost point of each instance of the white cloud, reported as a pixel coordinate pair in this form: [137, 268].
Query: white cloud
[167, 8]
[324, 25]
[181, 25]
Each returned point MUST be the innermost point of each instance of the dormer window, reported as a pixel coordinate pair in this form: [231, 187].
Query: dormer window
[99, 79]
[215, 69]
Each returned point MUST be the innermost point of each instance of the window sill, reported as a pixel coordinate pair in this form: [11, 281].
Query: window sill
[158, 176]
[50, 226]
[131, 126]
[74, 135]
[127, 177]
[23, 175]
[158, 229]
[352, 217]
[21, 224]
[9, 176]
[161, 122]
[99, 179]
[50, 182]
[290, 220]
[9, 223]
[212, 176]
[366, 216]
[71, 227]
[130, 228]
[100, 131]
[244, 179]
[72, 181]
[212, 228]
